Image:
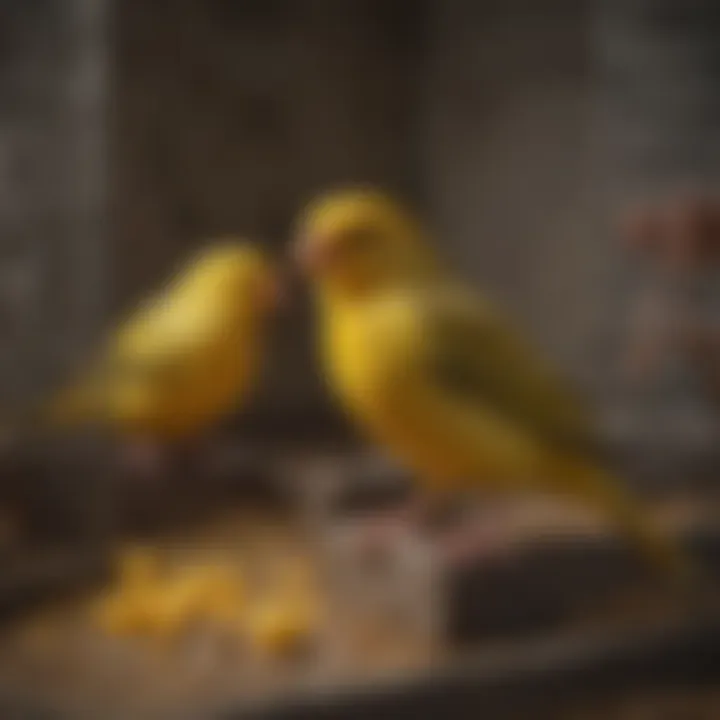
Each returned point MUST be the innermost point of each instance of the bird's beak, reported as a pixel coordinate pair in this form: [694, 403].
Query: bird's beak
[311, 255]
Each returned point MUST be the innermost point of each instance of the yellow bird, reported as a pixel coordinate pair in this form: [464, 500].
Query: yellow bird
[186, 357]
[429, 369]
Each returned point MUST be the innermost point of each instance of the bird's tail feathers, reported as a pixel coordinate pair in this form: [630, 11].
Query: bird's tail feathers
[661, 550]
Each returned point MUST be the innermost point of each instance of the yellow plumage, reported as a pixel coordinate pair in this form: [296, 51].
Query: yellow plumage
[183, 358]
[431, 370]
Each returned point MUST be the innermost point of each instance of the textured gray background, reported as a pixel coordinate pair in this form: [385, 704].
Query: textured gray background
[53, 268]
[519, 127]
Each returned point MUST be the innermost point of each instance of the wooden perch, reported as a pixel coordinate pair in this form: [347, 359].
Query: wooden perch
[525, 680]
[548, 565]
[550, 577]
[546, 584]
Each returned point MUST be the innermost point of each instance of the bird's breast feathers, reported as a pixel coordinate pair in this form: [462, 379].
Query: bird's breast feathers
[372, 352]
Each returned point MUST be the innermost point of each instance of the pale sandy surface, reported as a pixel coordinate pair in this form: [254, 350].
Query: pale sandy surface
[62, 658]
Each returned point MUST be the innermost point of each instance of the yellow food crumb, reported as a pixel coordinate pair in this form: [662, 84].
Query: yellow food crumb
[156, 603]
[282, 624]
[138, 566]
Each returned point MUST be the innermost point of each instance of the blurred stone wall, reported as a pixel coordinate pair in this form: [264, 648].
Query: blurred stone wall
[660, 65]
[224, 116]
[52, 244]
[510, 161]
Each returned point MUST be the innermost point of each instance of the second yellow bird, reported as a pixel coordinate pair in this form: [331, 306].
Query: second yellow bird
[185, 357]
[432, 371]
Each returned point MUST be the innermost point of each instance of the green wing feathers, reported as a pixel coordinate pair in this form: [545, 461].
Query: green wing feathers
[478, 356]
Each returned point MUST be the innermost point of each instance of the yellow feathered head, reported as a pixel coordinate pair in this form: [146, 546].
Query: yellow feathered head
[354, 241]
[236, 269]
